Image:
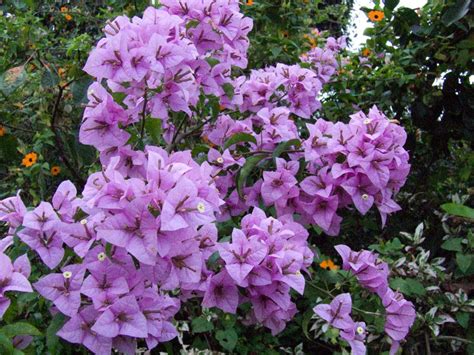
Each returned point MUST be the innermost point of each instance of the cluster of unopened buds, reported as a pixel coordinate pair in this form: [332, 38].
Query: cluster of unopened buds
[141, 236]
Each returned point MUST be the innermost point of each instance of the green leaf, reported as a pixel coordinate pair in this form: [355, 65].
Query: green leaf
[79, 90]
[49, 79]
[153, 128]
[456, 209]
[470, 239]
[8, 148]
[227, 338]
[119, 97]
[456, 12]
[212, 61]
[307, 316]
[192, 24]
[245, 171]
[452, 244]
[408, 287]
[199, 148]
[6, 345]
[391, 4]
[12, 79]
[281, 147]
[276, 51]
[229, 90]
[239, 138]
[463, 319]
[464, 261]
[20, 328]
[201, 325]
[52, 340]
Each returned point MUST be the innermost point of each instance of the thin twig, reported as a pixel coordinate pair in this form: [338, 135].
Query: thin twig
[320, 289]
[57, 136]
[176, 137]
[427, 344]
[367, 312]
[17, 128]
[449, 337]
[142, 130]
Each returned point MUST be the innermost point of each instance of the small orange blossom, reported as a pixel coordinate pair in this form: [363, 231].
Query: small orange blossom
[29, 159]
[376, 15]
[328, 264]
[55, 170]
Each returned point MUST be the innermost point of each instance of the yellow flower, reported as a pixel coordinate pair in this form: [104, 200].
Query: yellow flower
[2, 131]
[29, 159]
[328, 264]
[376, 15]
[366, 52]
[64, 9]
[55, 170]
[68, 17]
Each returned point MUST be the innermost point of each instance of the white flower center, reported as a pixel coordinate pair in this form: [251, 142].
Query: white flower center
[83, 222]
[220, 160]
[360, 330]
[367, 121]
[67, 274]
[201, 207]
[365, 197]
[101, 256]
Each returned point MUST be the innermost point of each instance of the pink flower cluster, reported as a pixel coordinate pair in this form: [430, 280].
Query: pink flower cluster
[13, 277]
[372, 273]
[265, 258]
[361, 164]
[141, 234]
[323, 59]
[282, 85]
[160, 63]
[338, 315]
[139, 230]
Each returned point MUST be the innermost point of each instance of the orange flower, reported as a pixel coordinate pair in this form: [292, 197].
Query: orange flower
[328, 264]
[64, 9]
[366, 52]
[29, 159]
[2, 131]
[376, 15]
[61, 71]
[68, 17]
[249, 2]
[55, 170]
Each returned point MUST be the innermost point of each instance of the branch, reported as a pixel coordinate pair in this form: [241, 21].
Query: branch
[142, 130]
[57, 136]
[179, 137]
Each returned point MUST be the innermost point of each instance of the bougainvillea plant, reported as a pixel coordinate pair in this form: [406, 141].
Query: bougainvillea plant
[143, 237]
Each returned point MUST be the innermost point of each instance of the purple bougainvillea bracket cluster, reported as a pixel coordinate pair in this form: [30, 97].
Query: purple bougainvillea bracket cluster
[144, 228]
